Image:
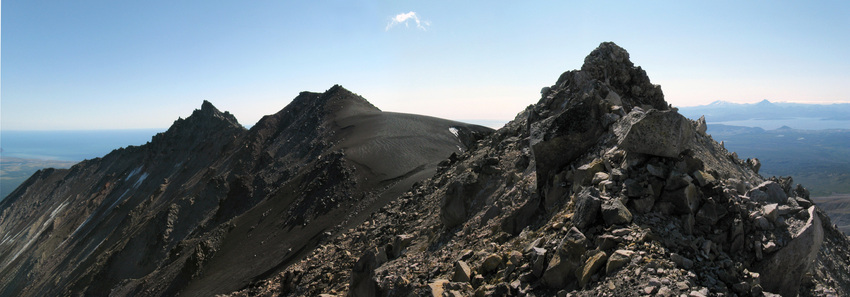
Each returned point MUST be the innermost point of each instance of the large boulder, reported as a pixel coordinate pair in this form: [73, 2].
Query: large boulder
[702, 127]
[591, 266]
[566, 261]
[453, 206]
[685, 200]
[561, 138]
[363, 281]
[654, 132]
[617, 260]
[768, 192]
[462, 272]
[782, 271]
[587, 207]
[615, 213]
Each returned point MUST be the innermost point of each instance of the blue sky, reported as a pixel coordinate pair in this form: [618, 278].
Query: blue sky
[143, 64]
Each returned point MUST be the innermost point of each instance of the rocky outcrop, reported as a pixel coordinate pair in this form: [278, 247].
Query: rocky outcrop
[568, 200]
[782, 272]
[658, 133]
[600, 189]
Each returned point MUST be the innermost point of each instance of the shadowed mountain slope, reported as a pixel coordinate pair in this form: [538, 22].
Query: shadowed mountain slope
[208, 207]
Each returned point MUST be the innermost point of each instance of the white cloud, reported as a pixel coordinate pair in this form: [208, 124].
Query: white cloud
[405, 18]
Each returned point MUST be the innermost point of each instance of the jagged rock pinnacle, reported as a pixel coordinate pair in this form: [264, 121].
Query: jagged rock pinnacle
[208, 107]
[208, 111]
[608, 72]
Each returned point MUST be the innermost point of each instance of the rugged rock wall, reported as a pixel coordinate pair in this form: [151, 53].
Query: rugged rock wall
[599, 189]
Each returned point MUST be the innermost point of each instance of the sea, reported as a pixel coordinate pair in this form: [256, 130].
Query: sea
[69, 145]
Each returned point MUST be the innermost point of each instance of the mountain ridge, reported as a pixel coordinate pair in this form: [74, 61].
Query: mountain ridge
[151, 205]
[330, 195]
[722, 111]
[606, 221]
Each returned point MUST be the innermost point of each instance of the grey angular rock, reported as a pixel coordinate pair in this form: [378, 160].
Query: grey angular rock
[617, 260]
[607, 241]
[400, 243]
[684, 200]
[655, 132]
[688, 222]
[564, 134]
[566, 261]
[769, 192]
[770, 211]
[587, 206]
[782, 272]
[755, 164]
[538, 258]
[491, 263]
[701, 125]
[710, 213]
[591, 266]
[462, 272]
[703, 178]
[762, 223]
[681, 261]
[599, 177]
[657, 171]
[362, 281]
[643, 205]
[615, 213]
[584, 174]
[453, 205]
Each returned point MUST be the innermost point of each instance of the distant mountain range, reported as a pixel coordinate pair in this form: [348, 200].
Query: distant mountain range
[721, 111]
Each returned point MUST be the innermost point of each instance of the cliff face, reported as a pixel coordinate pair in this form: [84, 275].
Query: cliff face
[208, 207]
[599, 189]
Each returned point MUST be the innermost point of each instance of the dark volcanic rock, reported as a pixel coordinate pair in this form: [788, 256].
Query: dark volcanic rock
[333, 197]
[587, 208]
[547, 186]
[658, 133]
[208, 206]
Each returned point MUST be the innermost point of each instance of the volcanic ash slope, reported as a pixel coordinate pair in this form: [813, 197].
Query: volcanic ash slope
[209, 207]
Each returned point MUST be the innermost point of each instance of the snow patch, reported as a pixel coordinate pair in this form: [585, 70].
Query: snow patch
[133, 173]
[35, 236]
[120, 198]
[6, 238]
[83, 224]
[454, 131]
[141, 179]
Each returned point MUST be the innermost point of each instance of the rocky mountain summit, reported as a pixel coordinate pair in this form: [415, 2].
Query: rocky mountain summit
[599, 189]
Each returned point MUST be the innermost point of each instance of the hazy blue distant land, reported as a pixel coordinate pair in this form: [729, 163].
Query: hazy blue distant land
[22, 153]
[769, 115]
[818, 159]
[810, 142]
